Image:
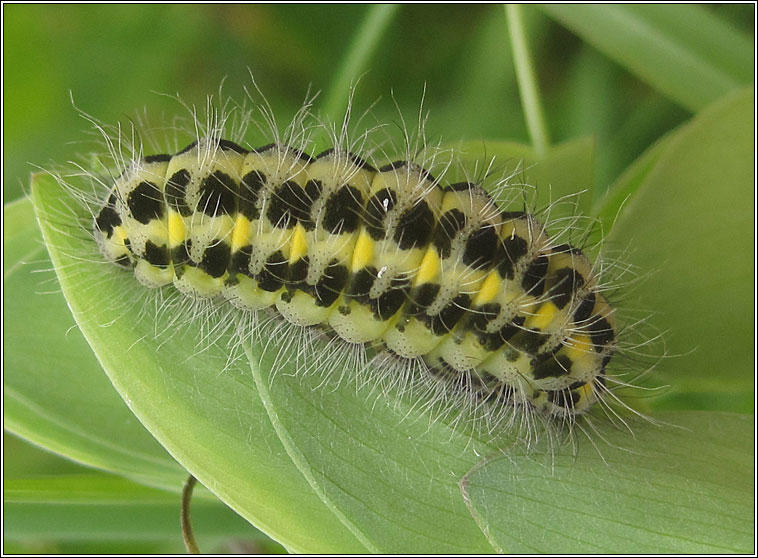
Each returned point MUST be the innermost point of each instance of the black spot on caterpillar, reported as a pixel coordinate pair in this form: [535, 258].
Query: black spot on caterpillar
[433, 274]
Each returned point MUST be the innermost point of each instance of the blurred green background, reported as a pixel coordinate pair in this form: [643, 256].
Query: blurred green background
[113, 60]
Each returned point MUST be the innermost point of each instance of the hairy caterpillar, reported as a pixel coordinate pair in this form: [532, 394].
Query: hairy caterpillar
[431, 275]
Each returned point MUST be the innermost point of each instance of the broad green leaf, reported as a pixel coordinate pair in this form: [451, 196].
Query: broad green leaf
[608, 207]
[661, 496]
[688, 54]
[690, 228]
[385, 472]
[100, 507]
[203, 411]
[136, 469]
[58, 397]
[210, 416]
[317, 464]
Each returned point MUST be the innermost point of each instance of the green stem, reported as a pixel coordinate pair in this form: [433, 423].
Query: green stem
[527, 81]
[364, 45]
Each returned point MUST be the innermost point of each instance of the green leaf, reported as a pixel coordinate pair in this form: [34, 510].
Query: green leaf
[564, 171]
[210, 416]
[82, 489]
[59, 397]
[688, 54]
[660, 497]
[690, 226]
[106, 508]
[631, 180]
[234, 450]
[207, 414]
[316, 463]
[385, 471]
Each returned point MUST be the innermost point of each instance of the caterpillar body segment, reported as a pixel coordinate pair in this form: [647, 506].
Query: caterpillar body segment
[386, 256]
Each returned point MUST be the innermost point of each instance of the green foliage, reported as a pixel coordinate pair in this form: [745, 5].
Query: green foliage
[690, 224]
[99, 507]
[336, 469]
[658, 498]
[687, 53]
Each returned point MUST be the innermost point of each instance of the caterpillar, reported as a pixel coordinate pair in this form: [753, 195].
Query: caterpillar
[429, 273]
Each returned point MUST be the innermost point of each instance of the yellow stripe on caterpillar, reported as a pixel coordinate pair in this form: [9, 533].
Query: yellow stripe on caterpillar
[387, 256]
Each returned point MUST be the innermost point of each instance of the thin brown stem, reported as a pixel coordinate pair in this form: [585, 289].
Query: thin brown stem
[187, 534]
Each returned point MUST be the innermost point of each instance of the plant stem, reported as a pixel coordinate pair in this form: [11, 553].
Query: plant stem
[527, 81]
[189, 537]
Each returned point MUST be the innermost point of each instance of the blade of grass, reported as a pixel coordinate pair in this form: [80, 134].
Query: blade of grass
[527, 81]
[104, 507]
[79, 489]
[685, 52]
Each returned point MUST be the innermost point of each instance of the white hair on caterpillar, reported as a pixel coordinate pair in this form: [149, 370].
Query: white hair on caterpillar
[411, 275]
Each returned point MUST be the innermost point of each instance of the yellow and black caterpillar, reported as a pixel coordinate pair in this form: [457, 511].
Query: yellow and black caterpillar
[385, 256]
